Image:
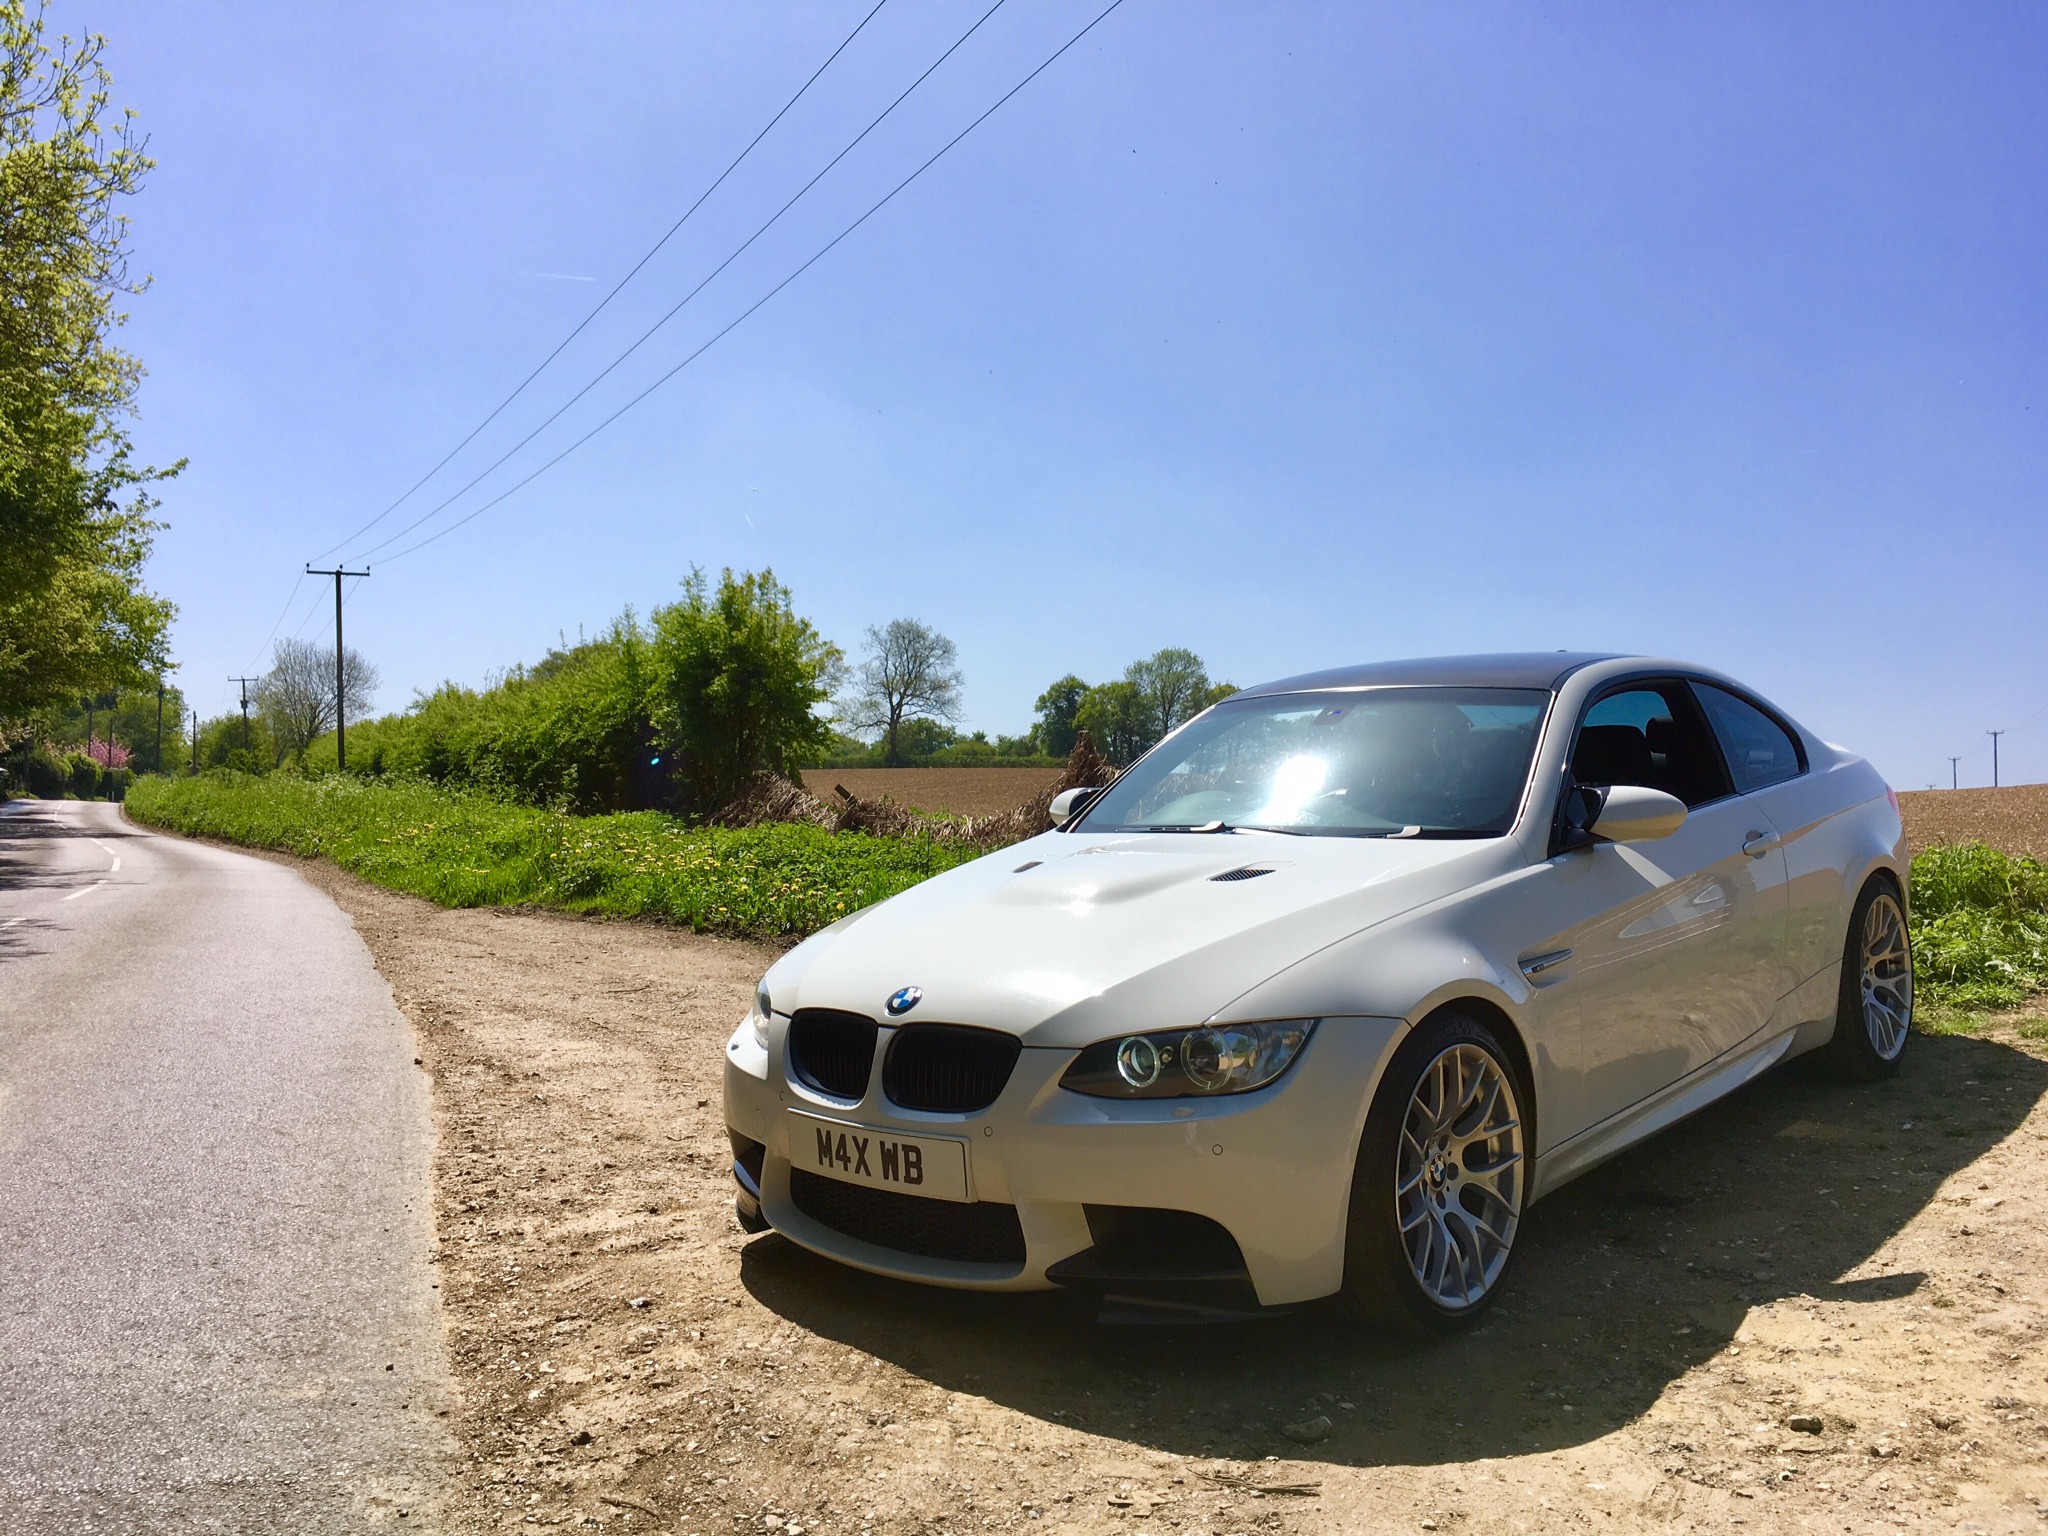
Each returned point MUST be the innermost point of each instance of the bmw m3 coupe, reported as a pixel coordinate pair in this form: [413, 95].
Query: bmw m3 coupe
[1316, 997]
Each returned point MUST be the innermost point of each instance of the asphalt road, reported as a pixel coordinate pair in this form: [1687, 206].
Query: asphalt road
[216, 1302]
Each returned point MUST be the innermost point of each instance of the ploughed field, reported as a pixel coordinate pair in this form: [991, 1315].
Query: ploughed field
[960, 791]
[2013, 819]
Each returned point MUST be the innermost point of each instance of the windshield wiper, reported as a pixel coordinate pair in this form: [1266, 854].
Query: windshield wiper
[1218, 826]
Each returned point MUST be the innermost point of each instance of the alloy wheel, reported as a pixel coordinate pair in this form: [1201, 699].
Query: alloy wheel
[1887, 977]
[1458, 1179]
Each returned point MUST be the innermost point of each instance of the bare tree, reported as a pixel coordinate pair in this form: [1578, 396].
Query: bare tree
[297, 693]
[911, 669]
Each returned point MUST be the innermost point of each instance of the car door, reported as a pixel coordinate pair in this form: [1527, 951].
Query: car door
[1666, 954]
[1769, 770]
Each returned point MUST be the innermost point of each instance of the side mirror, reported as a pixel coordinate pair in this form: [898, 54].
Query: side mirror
[1069, 803]
[1630, 813]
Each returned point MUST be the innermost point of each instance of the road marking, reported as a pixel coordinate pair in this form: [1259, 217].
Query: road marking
[87, 891]
[12, 921]
[114, 868]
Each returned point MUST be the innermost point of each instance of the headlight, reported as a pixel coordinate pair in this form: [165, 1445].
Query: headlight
[764, 1010]
[1189, 1063]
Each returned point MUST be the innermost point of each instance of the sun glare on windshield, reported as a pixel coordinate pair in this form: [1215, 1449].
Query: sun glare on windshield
[1381, 762]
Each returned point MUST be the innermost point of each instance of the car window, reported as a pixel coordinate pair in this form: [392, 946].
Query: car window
[1651, 734]
[1760, 751]
[1381, 762]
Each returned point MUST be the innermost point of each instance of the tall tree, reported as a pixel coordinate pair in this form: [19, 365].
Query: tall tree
[737, 678]
[910, 669]
[1174, 685]
[1056, 708]
[75, 528]
[297, 693]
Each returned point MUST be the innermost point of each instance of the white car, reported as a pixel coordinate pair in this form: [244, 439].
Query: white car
[1317, 996]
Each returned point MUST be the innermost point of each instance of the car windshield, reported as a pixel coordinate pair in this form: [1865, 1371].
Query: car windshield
[1383, 762]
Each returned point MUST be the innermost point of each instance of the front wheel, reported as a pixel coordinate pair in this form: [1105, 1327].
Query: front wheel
[1874, 1011]
[1441, 1178]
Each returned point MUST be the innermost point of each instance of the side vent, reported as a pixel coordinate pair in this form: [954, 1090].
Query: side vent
[1027, 864]
[1248, 872]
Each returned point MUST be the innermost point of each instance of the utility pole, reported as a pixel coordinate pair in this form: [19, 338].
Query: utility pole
[245, 682]
[340, 682]
[1994, 735]
[195, 741]
[1953, 780]
[159, 763]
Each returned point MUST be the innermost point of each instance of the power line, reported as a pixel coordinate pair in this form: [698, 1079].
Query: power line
[652, 251]
[771, 293]
[648, 334]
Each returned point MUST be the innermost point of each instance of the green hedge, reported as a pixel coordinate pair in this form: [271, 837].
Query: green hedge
[466, 850]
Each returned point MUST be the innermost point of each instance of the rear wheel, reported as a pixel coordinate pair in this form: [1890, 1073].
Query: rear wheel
[1441, 1178]
[1874, 1012]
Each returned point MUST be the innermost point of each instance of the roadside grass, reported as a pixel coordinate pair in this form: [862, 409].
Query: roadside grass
[1979, 917]
[1980, 936]
[464, 850]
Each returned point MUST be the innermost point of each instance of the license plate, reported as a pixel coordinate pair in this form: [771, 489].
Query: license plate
[858, 1154]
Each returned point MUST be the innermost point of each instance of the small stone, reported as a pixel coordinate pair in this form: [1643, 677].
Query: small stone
[581, 1437]
[640, 1302]
[1308, 1431]
[1429, 1525]
[1884, 1452]
[1805, 1423]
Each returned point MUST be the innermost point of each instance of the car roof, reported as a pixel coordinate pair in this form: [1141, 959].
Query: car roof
[1507, 669]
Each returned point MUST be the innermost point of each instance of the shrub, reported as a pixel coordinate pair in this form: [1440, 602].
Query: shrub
[736, 678]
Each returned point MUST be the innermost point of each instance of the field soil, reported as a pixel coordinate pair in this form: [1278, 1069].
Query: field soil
[2013, 819]
[962, 791]
[1811, 1308]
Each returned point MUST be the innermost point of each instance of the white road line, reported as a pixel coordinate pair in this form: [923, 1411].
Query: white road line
[87, 891]
[114, 868]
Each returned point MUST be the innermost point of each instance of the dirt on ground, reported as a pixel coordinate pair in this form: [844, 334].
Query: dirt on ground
[2013, 819]
[1811, 1308]
[961, 791]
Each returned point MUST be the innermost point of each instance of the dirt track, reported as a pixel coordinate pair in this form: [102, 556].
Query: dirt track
[1868, 1257]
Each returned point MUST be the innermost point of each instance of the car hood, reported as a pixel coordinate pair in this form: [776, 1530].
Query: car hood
[1067, 938]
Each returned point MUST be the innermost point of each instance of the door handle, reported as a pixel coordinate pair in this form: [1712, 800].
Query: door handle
[1757, 844]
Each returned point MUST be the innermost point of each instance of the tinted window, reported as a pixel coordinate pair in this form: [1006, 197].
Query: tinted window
[1381, 762]
[1651, 734]
[1760, 751]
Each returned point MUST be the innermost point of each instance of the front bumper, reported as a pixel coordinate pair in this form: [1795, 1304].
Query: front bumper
[1273, 1167]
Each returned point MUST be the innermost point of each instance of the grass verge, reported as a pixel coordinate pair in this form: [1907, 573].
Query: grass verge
[1980, 934]
[464, 850]
[1979, 917]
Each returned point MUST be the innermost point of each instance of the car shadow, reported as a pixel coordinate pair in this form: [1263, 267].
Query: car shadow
[1624, 1280]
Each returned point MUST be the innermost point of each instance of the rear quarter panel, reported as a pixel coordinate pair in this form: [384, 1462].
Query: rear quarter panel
[1838, 827]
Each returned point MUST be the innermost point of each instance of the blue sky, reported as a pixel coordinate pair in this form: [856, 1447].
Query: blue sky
[1295, 334]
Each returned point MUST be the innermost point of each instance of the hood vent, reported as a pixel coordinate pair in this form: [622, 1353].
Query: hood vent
[1247, 872]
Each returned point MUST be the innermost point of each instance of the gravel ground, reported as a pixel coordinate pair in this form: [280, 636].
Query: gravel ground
[1810, 1308]
[2014, 819]
[962, 791]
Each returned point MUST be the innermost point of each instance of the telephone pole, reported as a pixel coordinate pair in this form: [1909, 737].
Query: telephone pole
[158, 765]
[1953, 779]
[195, 741]
[1994, 735]
[340, 682]
[245, 682]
